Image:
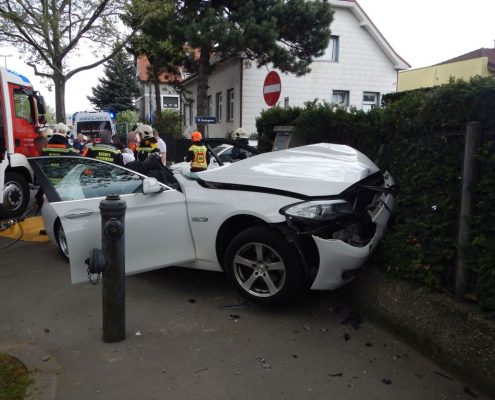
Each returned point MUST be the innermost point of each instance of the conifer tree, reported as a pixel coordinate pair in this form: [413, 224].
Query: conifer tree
[117, 89]
[285, 33]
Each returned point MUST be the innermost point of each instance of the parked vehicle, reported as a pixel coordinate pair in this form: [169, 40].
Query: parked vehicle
[220, 151]
[92, 123]
[22, 112]
[275, 223]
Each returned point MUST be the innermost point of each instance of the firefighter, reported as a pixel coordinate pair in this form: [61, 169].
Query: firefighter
[105, 150]
[58, 144]
[198, 153]
[148, 145]
[241, 135]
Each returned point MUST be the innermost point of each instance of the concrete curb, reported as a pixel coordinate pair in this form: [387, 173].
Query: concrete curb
[456, 336]
[41, 367]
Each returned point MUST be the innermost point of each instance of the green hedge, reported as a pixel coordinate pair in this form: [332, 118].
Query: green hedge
[421, 130]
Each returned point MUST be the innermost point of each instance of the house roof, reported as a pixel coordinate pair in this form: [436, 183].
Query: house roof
[142, 65]
[483, 52]
[366, 23]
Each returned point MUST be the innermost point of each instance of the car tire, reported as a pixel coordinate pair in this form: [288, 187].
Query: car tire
[61, 240]
[15, 195]
[263, 266]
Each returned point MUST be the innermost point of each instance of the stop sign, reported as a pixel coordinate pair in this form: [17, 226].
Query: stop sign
[272, 88]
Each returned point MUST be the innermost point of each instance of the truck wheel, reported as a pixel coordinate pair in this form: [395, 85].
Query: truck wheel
[263, 266]
[15, 195]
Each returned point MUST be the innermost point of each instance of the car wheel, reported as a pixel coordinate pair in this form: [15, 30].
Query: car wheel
[15, 195]
[61, 240]
[263, 266]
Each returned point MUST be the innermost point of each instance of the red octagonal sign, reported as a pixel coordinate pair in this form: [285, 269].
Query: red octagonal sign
[272, 88]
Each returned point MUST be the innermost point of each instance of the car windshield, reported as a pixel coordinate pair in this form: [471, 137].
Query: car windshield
[77, 178]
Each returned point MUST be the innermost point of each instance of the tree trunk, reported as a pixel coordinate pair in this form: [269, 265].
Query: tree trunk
[59, 82]
[156, 84]
[202, 96]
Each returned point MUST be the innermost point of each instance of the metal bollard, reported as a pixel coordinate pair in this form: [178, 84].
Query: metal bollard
[112, 211]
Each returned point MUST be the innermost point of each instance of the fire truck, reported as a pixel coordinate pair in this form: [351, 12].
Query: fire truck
[22, 112]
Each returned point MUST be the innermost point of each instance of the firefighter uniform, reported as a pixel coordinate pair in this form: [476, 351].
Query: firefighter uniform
[53, 149]
[104, 152]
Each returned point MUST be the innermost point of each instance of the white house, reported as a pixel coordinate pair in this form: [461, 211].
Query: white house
[146, 103]
[358, 67]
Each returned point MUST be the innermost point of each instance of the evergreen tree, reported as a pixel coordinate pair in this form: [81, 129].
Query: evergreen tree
[117, 89]
[285, 33]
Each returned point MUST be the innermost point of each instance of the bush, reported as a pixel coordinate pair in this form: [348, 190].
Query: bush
[130, 117]
[168, 122]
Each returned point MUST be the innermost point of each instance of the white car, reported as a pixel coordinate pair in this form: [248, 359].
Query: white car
[276, 223]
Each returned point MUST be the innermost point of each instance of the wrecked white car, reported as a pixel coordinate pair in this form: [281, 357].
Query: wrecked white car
[275, 223]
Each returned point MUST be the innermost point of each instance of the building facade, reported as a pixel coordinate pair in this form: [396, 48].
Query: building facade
[480, 62]
[146, 103]
[358, 67]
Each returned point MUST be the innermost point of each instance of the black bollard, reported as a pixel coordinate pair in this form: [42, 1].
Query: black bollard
[112, 211]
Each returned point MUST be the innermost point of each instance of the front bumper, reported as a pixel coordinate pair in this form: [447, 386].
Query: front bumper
[338, 257]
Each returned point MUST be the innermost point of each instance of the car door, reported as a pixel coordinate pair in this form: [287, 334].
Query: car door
[157, 231]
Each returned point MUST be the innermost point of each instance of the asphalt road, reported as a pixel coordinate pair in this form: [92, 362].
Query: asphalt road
[183, 343]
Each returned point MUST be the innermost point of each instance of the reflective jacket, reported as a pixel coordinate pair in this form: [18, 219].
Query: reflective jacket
[104, 152]
[145, 148]
[199, 161]
[54, 149]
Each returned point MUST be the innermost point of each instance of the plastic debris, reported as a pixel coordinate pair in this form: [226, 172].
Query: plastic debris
[387, 381]
[336, 374]
[307, 328]
[234, 316]
[267, 366]
[201, 370]
[138, 333]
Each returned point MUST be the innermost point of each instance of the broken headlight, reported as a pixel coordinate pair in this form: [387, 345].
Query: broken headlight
[318, 211]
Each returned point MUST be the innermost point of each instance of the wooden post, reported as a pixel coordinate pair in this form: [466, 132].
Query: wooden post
[470, 177]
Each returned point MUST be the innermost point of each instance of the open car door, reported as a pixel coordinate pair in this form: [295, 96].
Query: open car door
[157, 231]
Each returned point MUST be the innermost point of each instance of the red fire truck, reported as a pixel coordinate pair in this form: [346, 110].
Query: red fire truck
[22, 112]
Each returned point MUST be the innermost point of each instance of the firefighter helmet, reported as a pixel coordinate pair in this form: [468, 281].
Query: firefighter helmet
[196, 136]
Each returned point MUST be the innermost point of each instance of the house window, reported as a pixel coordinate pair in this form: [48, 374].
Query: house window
[218, 110]
[230, 105]
[210, 105]
[370, 100]
[186, 114]
[286, 102]
[340, 97]
[191, 113]
[170, 102]
[332, 51]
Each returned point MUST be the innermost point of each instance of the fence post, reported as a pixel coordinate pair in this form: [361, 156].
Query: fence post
[470, 177]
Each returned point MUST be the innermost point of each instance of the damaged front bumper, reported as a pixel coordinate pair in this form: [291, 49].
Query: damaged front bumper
[345, 242]
[338, 259]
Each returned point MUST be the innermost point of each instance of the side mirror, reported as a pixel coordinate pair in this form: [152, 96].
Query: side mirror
[151, 185]
[40, 101]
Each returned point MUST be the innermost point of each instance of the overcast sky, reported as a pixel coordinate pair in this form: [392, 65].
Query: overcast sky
[422, 32]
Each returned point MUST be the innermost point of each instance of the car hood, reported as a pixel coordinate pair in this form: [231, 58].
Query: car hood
[314, 170]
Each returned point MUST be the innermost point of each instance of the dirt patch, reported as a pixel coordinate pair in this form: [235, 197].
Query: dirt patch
[14, 378]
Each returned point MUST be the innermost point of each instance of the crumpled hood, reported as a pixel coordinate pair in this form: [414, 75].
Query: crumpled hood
[315, 170]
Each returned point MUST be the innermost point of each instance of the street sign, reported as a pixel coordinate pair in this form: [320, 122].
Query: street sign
[272, 88]
[206, 120]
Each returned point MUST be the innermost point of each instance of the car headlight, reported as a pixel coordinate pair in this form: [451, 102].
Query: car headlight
[322, 210]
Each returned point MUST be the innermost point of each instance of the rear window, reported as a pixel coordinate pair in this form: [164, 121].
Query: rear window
[93, 127]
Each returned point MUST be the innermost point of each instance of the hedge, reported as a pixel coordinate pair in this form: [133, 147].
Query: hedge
[422, 131]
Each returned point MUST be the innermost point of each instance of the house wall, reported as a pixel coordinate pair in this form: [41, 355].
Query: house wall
[146, 99]
[440, 74]
[362, 66]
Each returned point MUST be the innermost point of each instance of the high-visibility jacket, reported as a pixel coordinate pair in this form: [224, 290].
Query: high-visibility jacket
[199, 160]
[53, 149]
[104, 152]
[145, 148]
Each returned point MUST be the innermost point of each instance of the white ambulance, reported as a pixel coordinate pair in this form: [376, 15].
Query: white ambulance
[92, 123]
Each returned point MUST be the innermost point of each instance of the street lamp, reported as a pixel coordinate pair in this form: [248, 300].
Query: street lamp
[5, 58]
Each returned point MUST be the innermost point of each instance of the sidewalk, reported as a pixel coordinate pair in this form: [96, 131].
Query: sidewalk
[183, 343]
